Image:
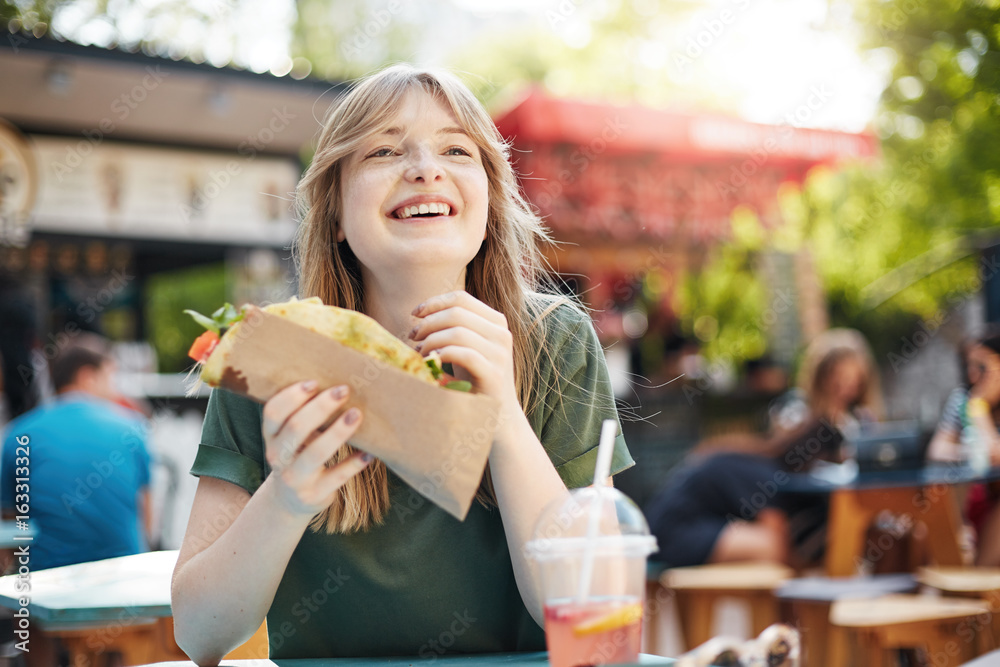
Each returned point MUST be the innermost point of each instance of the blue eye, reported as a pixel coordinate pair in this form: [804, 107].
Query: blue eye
[458, 150]
[382, 152]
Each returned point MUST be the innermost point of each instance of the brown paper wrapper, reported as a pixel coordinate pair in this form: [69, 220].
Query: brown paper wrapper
[437, 440]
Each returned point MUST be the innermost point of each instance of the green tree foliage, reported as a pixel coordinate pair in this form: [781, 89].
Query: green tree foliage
[897, 241]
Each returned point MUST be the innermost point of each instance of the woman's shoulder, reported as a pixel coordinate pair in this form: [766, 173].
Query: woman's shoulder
[558, 318]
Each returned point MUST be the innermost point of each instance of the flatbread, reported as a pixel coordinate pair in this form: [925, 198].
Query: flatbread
[348, 327]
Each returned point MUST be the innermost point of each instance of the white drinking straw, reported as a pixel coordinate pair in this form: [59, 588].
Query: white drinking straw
[604, 450]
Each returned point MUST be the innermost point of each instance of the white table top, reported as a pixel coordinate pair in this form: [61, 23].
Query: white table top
[96, 592]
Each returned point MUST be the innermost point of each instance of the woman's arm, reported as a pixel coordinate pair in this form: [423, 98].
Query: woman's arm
[944, 445]
[525, 482]
[226, 574]
[475, 338]
[237, 546]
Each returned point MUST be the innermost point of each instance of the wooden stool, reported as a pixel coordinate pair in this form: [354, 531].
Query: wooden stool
[698, 588]
[968, 582]
[947, 628]
[806, 602]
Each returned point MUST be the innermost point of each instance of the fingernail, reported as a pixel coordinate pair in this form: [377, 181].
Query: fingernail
[309, 385]
[352, 416]
[367, 458]
[416, 311]
[413, 332]
[338, 392]
[418, 347]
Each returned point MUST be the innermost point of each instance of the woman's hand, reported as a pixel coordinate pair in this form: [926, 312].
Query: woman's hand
[297, 445]
[469, 334]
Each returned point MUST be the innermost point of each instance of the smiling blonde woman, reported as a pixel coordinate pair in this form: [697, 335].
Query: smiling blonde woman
[411, 214]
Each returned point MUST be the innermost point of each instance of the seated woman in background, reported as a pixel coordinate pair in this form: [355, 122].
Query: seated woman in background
[969, 423]
[838, 382]
[724, 503]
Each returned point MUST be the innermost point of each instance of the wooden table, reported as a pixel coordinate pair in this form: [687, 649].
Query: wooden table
[118, 605]
[476, 660]
[698, 588]
[949, 630]
[927, 496]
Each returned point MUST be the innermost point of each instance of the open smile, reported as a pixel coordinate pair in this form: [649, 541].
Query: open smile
[430, 210]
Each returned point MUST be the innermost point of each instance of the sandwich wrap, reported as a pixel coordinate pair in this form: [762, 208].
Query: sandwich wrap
[435, 439]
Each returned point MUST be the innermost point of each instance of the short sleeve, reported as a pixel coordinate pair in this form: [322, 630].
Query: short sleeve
[574, 398]
[143, 461]
[232, 447]
[951, 415]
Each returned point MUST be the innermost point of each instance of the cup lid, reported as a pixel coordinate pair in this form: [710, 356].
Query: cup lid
[564, 527]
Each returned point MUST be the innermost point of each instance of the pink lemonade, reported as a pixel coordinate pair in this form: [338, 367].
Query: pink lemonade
[600, 632]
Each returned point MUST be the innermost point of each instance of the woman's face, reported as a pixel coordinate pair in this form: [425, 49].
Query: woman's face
[415, 194]
[846, 384]
[979, 359]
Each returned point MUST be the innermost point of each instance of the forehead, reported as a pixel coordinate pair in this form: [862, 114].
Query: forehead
[418, 108]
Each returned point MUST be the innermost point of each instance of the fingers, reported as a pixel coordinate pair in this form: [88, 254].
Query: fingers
[459, 336]
[338, 475]
[463, 318]
[460, 299]
[302, 425]
[471, 360]
[281, 406]
[321, 449]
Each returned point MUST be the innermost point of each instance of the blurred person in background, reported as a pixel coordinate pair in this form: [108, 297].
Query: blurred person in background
[87, 464]
[726, 503]
[968, 431]
[838, 382]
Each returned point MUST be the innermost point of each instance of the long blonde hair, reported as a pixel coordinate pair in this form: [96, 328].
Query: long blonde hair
[506, 274]
[823, 354]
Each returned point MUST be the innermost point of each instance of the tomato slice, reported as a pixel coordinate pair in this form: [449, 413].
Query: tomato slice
[203, 346]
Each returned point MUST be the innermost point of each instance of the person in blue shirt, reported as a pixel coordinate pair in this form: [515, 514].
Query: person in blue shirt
[79, 465]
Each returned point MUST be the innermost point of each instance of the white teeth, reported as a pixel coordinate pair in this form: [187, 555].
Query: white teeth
[437, 208]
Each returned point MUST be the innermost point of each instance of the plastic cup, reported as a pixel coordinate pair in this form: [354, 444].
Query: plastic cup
[597, 622]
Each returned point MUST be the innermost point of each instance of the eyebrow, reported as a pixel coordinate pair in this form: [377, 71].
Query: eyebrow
[396, 131]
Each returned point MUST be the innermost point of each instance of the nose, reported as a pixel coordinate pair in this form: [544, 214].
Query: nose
[423, 167]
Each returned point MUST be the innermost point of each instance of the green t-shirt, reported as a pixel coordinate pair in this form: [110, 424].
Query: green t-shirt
[421, 583]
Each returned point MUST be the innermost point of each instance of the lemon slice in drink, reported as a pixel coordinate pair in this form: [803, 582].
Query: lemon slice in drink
[614, 620]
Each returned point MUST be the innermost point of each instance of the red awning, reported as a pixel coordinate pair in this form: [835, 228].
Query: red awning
[703, 137]
[631, 174]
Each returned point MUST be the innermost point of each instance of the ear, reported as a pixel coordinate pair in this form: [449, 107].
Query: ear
[341, 237]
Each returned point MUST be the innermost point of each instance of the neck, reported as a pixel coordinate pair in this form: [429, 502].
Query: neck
[391, 300]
